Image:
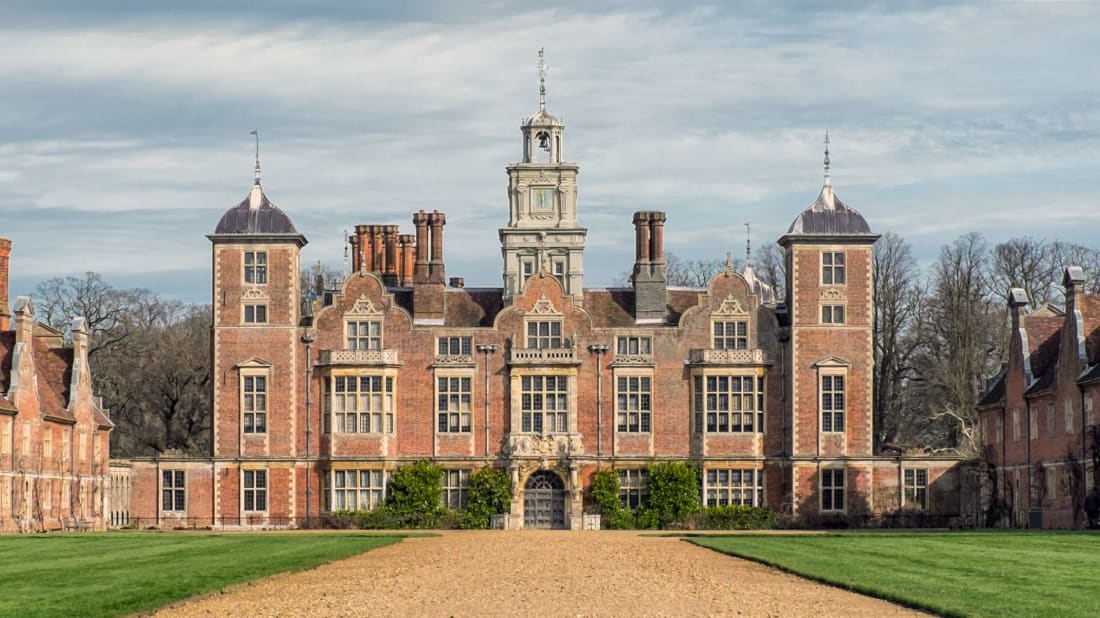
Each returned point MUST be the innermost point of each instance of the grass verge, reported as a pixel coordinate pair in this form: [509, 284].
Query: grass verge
[114, 574]
[954, 574]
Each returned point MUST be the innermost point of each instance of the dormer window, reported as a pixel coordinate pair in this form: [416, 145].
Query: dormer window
[364, 335]
[731, 334]
[255, 267]
[543, 334]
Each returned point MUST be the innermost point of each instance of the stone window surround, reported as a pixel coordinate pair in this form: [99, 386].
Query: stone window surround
[758, 393]
[456, 487]
[372, 493]
[259, 413]
[173, 490]
[254, 314]
[389, 406]
[755, 489]
[834, 369]
[914, 488]
[644, 413]
[570, 373]
[833, 268]
[254, 273]
[448, 411]
[828, 483]
[257, 488]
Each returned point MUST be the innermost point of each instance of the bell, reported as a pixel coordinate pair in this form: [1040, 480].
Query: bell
[544, 141]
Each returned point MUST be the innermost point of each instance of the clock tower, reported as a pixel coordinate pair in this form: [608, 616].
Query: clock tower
[542, 233]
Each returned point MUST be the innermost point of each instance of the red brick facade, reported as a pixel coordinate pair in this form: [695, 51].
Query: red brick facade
[395, 366]
[1037, 421]
[54, 444]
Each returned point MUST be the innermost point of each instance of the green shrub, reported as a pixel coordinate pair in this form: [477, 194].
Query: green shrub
[490, 492]
[673, 495]
[414, 494]
[735, 518]
[605, 493]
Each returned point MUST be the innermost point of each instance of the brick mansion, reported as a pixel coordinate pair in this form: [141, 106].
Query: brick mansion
[315, 404]
[542, 377]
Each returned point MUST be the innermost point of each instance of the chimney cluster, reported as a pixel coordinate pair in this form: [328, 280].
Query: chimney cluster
[649, 275]
[428, 274]
[381, 249]
[5, 255]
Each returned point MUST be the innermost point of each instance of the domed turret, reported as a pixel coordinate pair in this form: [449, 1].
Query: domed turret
[828, 216]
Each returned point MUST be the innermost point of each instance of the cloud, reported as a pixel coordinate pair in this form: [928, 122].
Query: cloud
[713, 114]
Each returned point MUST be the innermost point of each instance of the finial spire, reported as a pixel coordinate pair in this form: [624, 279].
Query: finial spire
[256, 132]
[828, 179]
[748, 246]
[729, 261]
[543, 68]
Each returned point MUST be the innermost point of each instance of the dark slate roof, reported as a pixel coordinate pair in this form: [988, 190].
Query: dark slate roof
[996, 393]
[264, 218]
[829, 216]
[472, 306]
[1044, 336]
[609, 308]
[1092, 375]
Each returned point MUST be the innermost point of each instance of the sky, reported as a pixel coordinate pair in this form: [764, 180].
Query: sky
[124, 124]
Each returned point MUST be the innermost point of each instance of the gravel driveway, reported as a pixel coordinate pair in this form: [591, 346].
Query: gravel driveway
[538, 573]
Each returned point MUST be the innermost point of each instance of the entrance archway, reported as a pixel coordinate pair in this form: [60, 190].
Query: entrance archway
[544, 501]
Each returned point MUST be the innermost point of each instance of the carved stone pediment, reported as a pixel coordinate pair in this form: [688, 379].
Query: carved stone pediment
[536, 445]
[254, 293]
[730, 306]
[364, 307]
[832, 294]
[543, 306]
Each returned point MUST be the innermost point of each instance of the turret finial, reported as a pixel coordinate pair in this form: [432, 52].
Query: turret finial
[256, 132]
[748, 245]
[543, 68]
[828, 179]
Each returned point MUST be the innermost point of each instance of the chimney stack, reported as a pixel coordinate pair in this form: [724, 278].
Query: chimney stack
[420, 266]
[5, 269]
[428, 272]
[406, 248]
[457, 282]
[649, 276]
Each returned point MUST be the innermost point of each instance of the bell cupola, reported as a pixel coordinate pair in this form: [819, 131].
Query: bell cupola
[542, 233]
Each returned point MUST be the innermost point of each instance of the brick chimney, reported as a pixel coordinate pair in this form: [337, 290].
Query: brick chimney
[1017, 307]
[5, 256]
[649, 276]
[429, 277]
[389, 259]
[420, 265]
[1074, 282]
[406, 251]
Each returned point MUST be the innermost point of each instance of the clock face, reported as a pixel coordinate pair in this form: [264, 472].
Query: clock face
[542, 199]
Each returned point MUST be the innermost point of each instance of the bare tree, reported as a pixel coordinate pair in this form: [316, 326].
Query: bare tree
[899, 297]
[769, 265]
[1065, 254]
[689, 273]
[965, 333]
[1025, 263]
[150, 361]
[111, 313]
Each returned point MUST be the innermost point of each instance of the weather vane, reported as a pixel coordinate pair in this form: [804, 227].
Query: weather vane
[543, 68]
[748, 245]
[256, 132]
[827, 179]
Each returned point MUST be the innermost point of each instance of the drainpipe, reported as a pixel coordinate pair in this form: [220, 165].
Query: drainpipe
[308, 339]
[1084, 450]
[487, 349]
[599, 349]
[1028, 464]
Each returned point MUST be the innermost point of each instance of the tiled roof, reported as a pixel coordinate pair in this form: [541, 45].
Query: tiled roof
[1044, 338]
[54, 367]
[996, 393]
[609, 308]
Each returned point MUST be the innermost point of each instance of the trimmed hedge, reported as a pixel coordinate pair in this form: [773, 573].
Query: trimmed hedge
[734, 518]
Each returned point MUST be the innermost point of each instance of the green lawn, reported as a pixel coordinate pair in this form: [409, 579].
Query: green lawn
[951, 573]
[114, 574]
